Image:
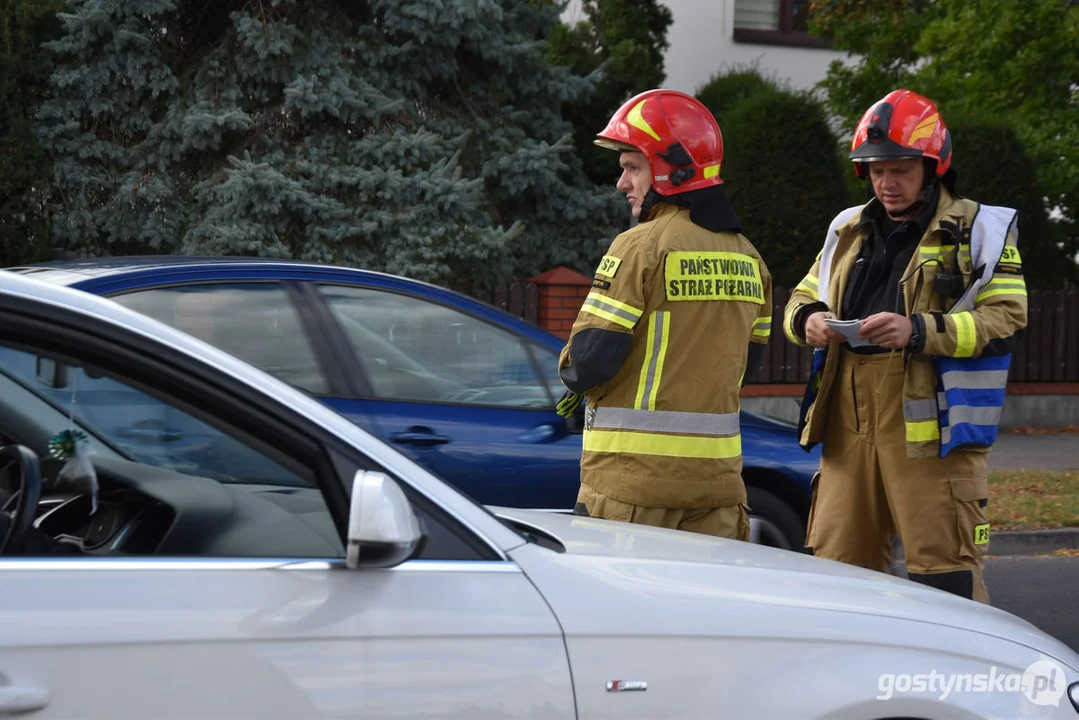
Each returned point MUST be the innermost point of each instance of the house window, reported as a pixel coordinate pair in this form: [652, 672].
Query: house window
[775, 22]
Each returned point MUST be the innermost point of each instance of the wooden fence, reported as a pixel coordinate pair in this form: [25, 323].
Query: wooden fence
[1047, 351]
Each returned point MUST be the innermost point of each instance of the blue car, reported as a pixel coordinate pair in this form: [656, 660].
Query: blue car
[465, 389]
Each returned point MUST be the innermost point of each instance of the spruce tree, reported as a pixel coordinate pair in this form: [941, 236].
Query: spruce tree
[418, 137]
[24, 78]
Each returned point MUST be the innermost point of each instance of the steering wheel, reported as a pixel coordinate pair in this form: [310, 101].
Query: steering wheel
[26, 498]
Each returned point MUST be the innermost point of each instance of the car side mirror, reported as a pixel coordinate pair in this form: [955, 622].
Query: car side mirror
[382, 529]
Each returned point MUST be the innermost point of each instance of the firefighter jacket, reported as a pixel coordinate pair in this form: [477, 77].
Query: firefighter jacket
[659, 349]
[966, 297]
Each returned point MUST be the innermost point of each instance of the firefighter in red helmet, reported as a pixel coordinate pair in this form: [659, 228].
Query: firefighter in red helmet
[908, 408]
[680, 308]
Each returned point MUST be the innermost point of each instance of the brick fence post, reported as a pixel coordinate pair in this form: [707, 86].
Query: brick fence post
[561, 293]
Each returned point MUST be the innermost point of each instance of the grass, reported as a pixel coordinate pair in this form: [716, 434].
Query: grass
[1034, 500]
[1029, 430]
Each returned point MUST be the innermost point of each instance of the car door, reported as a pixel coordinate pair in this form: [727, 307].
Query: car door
[462, 396]
[267, 622]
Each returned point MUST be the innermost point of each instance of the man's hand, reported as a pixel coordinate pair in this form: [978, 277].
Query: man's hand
[818, 334]
[569, 403]
[888, 330]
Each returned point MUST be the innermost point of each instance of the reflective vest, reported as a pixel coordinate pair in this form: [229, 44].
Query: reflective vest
[970, 391]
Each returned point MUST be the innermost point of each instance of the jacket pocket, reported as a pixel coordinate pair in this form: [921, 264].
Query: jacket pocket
[971, 497]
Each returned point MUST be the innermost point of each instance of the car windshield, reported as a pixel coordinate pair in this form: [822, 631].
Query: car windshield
[137, 426]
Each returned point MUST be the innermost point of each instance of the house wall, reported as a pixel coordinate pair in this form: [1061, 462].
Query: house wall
[702, 44]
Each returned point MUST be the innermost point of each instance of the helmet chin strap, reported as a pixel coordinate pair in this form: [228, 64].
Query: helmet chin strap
[650, 199]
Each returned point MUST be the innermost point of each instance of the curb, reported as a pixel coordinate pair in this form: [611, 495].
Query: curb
[1033, 542]
[1024, 542]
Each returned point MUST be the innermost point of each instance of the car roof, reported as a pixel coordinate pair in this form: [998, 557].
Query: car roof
[65, 272]
[84, 273]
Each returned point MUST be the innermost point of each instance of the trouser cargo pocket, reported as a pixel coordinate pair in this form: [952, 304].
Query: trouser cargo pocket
[972, 523]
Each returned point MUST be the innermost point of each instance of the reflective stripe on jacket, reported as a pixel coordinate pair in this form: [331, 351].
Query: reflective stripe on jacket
[954, 387]
[659, 349]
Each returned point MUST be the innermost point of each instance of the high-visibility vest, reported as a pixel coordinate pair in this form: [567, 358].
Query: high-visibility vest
[970, 390]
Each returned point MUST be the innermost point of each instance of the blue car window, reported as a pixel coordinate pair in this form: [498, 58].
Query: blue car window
[256, 322]
[144, 429]
[416, 350]
[548, 364]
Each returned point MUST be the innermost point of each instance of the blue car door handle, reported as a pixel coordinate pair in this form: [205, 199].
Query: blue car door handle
[419, 436]
[538, 434]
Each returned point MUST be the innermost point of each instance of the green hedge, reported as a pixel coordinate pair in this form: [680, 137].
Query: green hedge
[993, 167]
[784, 177]
[725, 91]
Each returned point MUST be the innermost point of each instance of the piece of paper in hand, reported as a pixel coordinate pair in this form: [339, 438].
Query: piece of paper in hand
[849, 330]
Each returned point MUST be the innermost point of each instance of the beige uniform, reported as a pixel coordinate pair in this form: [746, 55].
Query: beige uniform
[668, 323]
[906, 436]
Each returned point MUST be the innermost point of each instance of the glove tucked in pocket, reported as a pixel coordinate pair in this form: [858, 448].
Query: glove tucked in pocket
[569, 403]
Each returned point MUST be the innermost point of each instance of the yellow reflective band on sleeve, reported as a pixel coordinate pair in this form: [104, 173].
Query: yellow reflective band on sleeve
[923, 431]
[1002, 286]
[659, 332]
[762, 327]
[611, 309]
[617, 304]
[683, 446]
[607, 315]
[809, 285]
[608, 266]
[689, 276]
[965, 335]
[788, 326]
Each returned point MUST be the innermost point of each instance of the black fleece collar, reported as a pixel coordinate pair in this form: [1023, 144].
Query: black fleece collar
[708, 207]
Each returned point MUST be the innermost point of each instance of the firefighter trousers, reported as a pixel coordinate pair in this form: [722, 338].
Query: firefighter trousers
[729, 522]
[868, 489]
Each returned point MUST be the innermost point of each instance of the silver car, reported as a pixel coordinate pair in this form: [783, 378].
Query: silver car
[313, 571]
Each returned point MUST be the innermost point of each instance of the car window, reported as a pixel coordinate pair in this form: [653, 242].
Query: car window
[548, 365]
[253, 321]
[220, 496]
[142, 428]
[417, 350]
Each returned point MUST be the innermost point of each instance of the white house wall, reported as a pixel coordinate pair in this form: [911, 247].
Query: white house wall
[702, 44]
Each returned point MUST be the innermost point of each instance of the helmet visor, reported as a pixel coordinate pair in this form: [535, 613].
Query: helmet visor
[615, 145]
[887, 150]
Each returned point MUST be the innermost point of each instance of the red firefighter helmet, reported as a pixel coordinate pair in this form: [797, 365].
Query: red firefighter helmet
[902, 124]
[676, 132]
